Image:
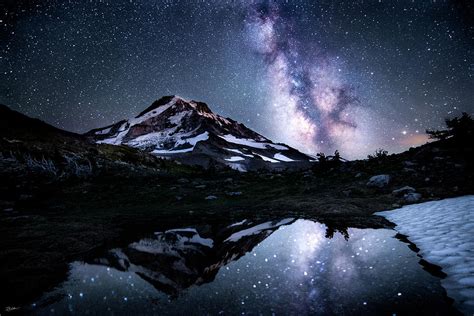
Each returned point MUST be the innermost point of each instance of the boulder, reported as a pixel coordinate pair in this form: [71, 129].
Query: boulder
[379, 181]
[412, 197]
[404, 190]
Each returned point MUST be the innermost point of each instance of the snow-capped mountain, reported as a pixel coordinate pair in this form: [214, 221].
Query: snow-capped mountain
[190, 132]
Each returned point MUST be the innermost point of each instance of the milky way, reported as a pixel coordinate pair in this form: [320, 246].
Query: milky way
[311, 104]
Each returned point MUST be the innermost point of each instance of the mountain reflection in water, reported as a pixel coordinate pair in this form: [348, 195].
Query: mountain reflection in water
[284, 266]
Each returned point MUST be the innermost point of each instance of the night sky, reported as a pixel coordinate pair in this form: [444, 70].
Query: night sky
[317, 75]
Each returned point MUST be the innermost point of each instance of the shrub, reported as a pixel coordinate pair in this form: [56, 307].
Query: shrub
[379, 154]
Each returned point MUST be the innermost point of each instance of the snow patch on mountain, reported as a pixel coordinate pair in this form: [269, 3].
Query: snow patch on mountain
[278, 147]
[193, 140]
[235, 158]
[152, 139]
[282, 157]
[267, 158]
[172, 151]
[244, 141]
[237, 166]
[178, 117]
[158, 139]
[239, 152]
[117, 140]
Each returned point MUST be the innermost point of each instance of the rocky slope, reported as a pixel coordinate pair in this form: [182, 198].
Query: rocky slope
[190, 132]
[33, 153]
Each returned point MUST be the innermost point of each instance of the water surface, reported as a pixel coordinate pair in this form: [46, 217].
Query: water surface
[285, 266]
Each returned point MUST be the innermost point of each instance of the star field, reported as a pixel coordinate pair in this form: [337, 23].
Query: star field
[405, 65]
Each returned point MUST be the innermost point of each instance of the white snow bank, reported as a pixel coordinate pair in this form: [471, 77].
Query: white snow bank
[177, 151]
[267, 158]
[235, 158]
[183, 140]
[279, 147]
[238, 152]
[152, 139]
[257, 229]
[178, 117]
[238, 167]
[282, 158]
[238, 223]
[123, 130]
[243, 141]
[251, 142]
[178, 230]
[443, 230]
[194, 140]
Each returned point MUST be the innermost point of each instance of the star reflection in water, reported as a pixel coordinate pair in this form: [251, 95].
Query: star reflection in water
[285, 266]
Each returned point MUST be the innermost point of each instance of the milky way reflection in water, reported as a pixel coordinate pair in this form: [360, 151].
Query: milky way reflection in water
[285, 267]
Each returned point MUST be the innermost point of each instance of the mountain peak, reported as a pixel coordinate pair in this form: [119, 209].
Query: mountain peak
[190, 132]
[160, 102]
[200, 107]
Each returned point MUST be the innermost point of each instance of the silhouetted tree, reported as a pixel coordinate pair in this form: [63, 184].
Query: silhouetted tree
[328, 162]
[331, 230]
[336, 159]
[459, 128]
[322, 157]
[337, 156]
